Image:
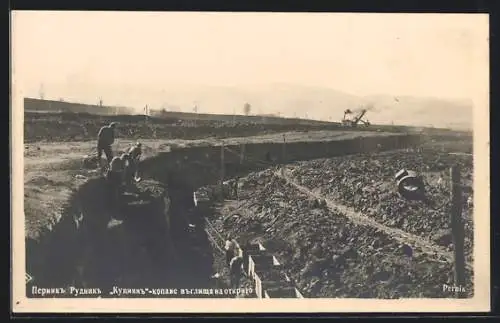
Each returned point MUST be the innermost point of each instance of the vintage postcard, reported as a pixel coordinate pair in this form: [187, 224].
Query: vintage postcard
[250, 162]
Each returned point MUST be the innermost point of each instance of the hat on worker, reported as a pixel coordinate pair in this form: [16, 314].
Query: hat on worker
[113, 124]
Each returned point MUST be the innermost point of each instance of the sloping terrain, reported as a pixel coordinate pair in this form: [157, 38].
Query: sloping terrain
[366, 184]
[326, 253]
[83, 127]
[59, 127]
[341, 229]
[52, 170]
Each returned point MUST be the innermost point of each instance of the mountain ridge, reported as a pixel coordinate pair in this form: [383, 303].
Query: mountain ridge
[288, 100]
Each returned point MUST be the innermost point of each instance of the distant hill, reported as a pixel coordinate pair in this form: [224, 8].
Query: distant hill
[422, 111]
[52, 106]
[289, 100]
[325, 104]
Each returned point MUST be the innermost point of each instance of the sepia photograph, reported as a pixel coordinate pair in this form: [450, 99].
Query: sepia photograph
[177, 161]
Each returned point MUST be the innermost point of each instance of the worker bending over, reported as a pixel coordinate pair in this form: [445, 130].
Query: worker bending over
[105, 138]
[115, 175]
[135, 153]
[129, 169]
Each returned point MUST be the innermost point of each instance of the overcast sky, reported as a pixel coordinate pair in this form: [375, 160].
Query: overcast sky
[399, 54]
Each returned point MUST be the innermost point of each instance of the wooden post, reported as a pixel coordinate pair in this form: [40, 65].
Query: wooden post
[222, 170]
[283, 156]
[457, 230]
[284, 149]
[242, 153]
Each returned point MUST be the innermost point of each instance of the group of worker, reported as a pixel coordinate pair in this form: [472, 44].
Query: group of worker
[121, 170]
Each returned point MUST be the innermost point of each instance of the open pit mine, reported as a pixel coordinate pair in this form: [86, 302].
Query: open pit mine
[313, 219]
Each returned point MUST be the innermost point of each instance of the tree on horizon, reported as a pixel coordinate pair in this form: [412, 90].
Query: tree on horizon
[247, 108]
[42, 92]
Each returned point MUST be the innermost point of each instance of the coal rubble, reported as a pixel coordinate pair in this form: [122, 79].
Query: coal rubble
[366, 184]
[322, 251]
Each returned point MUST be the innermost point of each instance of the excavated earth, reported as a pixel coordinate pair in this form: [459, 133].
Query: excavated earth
[366, 184]
[140, 243]
[326, 253]
[147, 242]
[59, 127]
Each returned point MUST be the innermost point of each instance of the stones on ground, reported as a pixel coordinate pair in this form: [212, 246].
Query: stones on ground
[444, 238]
[377, 200]
[324, 246]
[407, 250]
[382, 276]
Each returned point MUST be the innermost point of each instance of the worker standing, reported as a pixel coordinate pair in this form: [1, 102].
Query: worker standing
[105, 138]
[235, 270]
[235, 188]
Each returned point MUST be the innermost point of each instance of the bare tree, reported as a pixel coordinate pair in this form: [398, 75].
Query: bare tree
[42, 92]
[247, 108]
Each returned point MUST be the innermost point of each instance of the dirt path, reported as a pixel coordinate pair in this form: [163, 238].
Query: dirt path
[50, 167]
[401, 236]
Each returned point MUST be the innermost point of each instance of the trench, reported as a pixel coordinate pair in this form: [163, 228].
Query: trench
[158, 238]
[141, 244]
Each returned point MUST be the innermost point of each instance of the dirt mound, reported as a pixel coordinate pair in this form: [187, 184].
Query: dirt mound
[325, 253]
[366, 183]
[82, 248]
[51, 254]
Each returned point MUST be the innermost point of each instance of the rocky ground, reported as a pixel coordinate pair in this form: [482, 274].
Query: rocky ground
[82, 127]
[326, 253]
[64, 127]
[366, 184]
[52, 170]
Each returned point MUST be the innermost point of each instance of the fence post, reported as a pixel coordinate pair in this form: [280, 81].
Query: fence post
[242, 153]
[283, 157]
[457, 230]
